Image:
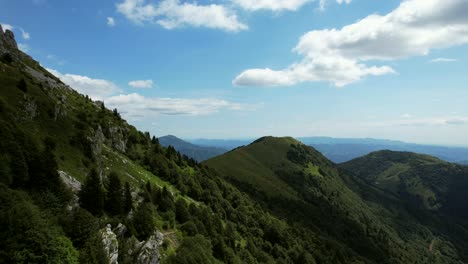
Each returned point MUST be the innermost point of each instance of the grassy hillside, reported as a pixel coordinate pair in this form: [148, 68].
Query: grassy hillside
[420, 179]
[47, 128]
[299, 184]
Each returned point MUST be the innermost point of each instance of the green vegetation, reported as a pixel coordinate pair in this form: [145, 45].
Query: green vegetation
[274, 201]
[353, 215]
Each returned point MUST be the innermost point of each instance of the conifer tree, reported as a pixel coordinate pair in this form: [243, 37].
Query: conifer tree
[92, 194]
[127, 204]
[114, 199]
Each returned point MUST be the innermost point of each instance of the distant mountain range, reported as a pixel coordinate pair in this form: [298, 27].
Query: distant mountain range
[198, 153]
[344, 149]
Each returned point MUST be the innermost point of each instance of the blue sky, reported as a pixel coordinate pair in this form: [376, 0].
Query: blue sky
[249, 68]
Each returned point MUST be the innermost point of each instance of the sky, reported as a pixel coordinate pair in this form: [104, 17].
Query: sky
[249, 68]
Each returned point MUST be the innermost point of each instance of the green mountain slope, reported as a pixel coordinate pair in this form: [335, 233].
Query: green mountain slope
[198, 153]
[65, 162]
[422, 180]
[297, 183]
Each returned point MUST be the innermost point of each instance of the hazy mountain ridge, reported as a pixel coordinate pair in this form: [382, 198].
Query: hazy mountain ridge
[345, 149]
[199, 153]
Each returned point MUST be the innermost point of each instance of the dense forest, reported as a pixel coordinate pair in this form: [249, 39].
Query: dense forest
[80, 185]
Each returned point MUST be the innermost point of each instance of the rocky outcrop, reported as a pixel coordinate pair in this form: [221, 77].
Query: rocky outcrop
[7, 40]
[97, 140]
[29, 108]
[110, 243]
[70, 181]
[118, 137]
[149, 250]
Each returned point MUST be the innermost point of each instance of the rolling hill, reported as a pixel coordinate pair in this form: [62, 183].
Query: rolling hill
[422, 180]
[297, 183]
[78, 184]
[341, 150]
[199, 153]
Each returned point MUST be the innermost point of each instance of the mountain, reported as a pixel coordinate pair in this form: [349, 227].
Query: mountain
[78, 184]
[199, 153]
[345, 149]
[297, 183]
[422, 180]
[221, 143]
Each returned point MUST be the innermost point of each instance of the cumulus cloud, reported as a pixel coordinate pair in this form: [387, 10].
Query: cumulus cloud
[25, 34]
[274, 5]
[97, 89]
[7, 26]
[323, 3]
[137, 106]
[436, 60]
[110, 21]
[342, 56]
[141, 84]
[172, 14]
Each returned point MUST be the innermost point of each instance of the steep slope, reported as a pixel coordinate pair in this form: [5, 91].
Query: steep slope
[299, 184]
[198, 153]
[173, 209]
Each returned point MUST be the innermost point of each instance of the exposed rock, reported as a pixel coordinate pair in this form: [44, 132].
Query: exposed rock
[149, 250]
[118, 137]
[46, 80]
[120, 230]
[9, 39]
[97, 140]
[70, 181]
[111, 244]
[29, 108]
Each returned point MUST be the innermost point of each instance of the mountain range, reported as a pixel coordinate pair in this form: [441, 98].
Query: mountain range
[78, 184]
[336, 149]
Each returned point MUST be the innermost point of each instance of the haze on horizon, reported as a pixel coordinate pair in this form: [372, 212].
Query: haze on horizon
[245, 69]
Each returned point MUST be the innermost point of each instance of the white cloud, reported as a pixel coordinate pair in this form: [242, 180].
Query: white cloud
[97, 89]
[274, 5]
[25, 34]
[7, 26]
[136, 106]
[110, 21]
[341, 56]
[141, 84]
[172, 14]
[432, 121]
[24, 47]
[323, 3]
[436, 60]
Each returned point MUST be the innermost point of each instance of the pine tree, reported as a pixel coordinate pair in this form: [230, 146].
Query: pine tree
[114, 199]
[92, 194]
[127, 204]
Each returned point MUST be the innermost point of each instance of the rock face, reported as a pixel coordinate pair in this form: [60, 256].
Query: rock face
[149, 250]
[118, 137]
[97, 140]
[7, 40]
[111, 244]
